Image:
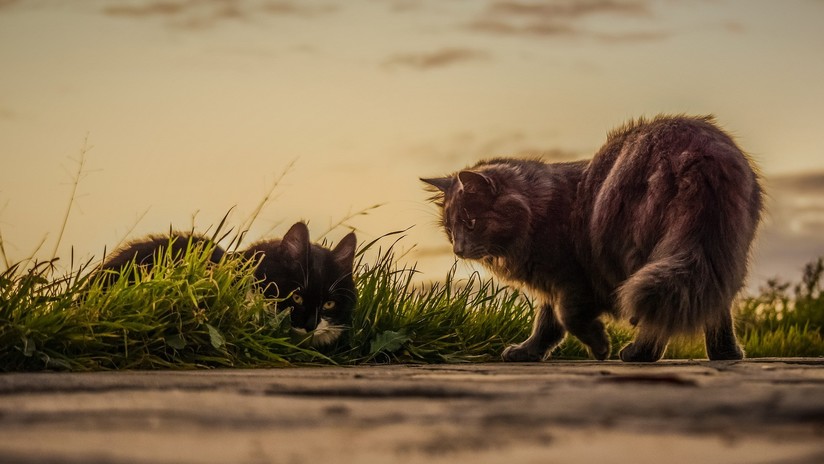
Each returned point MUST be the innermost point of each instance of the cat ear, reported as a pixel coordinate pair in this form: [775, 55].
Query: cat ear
[440, 183]
[475, 182]
[296, 241]
[344, 252]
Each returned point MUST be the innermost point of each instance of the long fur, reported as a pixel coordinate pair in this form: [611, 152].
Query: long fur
[656, 228]
[672, 221]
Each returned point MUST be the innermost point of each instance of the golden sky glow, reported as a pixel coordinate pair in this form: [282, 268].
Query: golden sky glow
[196, 106]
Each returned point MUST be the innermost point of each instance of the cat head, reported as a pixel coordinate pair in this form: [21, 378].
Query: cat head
[315, 281]
[482, 214]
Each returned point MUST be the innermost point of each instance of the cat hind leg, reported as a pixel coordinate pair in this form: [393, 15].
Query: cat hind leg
[720, 341]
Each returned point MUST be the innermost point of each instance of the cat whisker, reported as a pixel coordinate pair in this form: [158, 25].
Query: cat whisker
[352, 293]
[325, 333]
[305, 274]
[339, 280]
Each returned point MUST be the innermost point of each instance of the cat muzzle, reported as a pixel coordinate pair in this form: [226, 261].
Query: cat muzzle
[472, 253]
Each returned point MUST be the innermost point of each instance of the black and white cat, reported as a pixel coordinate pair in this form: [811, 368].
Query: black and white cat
[656, 228]
[320, 281]
[317, 281]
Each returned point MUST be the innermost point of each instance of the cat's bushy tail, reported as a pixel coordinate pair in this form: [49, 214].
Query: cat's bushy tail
[674, 294]
[699, 264]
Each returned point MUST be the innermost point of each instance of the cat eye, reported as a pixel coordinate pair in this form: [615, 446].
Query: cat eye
[469, 223]
[329, 305]
[297, 298]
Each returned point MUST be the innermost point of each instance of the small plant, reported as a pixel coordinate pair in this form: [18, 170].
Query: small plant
[453, 321]
[183, 315]
[776, 323]
[195, 313]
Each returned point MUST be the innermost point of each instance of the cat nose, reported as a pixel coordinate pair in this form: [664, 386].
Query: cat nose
[312, 322]
[458, 249]
[310, 325]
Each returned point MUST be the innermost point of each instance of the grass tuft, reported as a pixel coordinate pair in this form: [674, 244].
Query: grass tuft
[780, 322]
[196, 314]
[453, 321]
[185, 315]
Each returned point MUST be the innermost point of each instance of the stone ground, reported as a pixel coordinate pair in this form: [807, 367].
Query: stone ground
[753, 411]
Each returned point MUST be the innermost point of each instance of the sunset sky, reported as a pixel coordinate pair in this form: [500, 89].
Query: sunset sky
[193, 107]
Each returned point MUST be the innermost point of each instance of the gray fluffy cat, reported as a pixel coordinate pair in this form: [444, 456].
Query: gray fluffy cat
[656, 228]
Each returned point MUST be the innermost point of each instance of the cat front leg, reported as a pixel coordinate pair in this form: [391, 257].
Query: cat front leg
[581, 317]
[547, 332]
[591, 333]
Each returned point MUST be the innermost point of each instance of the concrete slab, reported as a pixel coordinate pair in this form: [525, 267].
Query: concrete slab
[753, 411]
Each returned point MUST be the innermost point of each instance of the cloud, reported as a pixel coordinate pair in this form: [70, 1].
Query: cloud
[294, 8]
[465, 148]
[209, 13]
[504, 27]
[799, 182]
[569, 8]
[627, 37]
[7, 114]
[402, 6]
[792, 233]
[563, 19]
[796, 205]
[734, 27]
[437, 59]
[8, 3]
[213, 8]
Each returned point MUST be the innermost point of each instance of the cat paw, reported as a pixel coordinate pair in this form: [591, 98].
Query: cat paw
[635, 353]
[521, 353]
[732, 354]
[600, 353]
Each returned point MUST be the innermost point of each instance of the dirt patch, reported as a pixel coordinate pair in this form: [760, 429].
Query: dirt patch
[754, 411]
